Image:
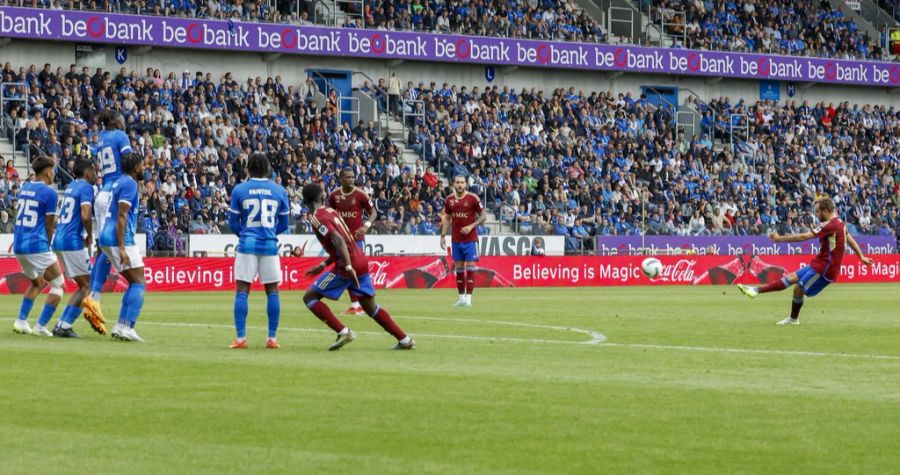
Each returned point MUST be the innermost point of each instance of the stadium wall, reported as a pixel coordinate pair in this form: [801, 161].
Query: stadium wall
[425, 272]
[292, 68]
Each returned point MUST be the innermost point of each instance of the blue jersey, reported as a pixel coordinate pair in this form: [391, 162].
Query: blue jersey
[69, 234]
[124, 190]
[258, 213]
[113, 144]
[36, 202]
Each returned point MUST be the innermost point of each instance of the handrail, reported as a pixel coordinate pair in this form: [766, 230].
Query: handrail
[3, 101]
[59, 159]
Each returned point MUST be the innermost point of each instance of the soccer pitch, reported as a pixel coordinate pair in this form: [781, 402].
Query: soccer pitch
[688, 380]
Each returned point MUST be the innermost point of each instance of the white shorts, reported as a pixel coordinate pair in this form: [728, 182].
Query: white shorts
[34, 265]
[101, 209]
[134, 254]
[248, 266]
[75, 263]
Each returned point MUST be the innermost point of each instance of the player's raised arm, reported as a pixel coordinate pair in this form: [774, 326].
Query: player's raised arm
[857, 250]
[792, 237]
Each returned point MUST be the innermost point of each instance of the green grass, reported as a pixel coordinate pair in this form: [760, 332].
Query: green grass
[666, 394]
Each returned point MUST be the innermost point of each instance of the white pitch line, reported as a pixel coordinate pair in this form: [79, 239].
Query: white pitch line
[712, 349]
[427, 335]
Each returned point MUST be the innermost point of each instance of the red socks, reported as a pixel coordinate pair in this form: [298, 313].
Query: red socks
[353, 297]
[320, 310]
[461, 282]
[384, 319]
[470, 280]
[773, 286]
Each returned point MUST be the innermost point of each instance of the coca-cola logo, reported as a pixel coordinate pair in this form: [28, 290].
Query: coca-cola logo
[681, 271]
[378, 273]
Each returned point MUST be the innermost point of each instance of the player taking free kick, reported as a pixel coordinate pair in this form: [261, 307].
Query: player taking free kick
[463, 213]
[350, 272]
[258, 213]
[351, 202]
[824, 269]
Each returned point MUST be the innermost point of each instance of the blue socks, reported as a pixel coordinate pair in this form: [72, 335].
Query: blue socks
[240, 314]
[273, 309]
[132, 302]
[27, 303]
[99, 274]
[69, 315]
[46, 315]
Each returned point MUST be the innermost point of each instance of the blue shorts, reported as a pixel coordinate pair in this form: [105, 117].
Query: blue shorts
[465, 251]
[811, 282]
[332, 286]
[361, 245]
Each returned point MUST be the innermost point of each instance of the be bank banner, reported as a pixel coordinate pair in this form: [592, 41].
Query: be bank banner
[426, 272]
[99, 27]
[623, 245]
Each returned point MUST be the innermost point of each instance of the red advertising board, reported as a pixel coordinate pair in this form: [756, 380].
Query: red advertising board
[205, 274]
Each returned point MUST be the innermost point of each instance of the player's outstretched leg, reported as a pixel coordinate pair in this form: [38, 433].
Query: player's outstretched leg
[273, 311]
[470, 282]
[774, 286]
[460, 283]
[383, 318]
[313, 301]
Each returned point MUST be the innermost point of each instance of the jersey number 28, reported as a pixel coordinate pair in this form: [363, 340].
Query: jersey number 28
[260, 213]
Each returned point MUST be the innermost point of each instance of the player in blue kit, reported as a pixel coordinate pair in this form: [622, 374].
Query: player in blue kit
[258, 213]
[72, 242]
[117, 242]
[114, 144]
[35, 222]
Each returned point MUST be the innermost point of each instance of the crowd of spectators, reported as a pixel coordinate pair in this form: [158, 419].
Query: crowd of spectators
[559, 162]
[197, 132]
[585, 164]
[792, 27]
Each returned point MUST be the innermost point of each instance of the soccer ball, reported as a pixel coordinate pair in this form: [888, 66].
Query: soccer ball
[651, 267]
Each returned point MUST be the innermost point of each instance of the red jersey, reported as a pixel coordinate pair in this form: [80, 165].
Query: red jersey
[832, 239]
[463, 212]
[351, 207]
[327, 221]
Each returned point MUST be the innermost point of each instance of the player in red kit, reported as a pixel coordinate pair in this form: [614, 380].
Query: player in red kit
[350, 272]
[463, 213]
[824, 269]
[351, 203]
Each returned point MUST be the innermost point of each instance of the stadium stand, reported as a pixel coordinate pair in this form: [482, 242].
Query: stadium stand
[559, 162]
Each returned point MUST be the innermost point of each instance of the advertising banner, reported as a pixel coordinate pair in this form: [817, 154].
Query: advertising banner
[381, 245]
[626, 245]
[118, 29]
[424, 272]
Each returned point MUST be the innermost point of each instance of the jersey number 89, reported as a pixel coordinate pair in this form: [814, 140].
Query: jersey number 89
[260, 213]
